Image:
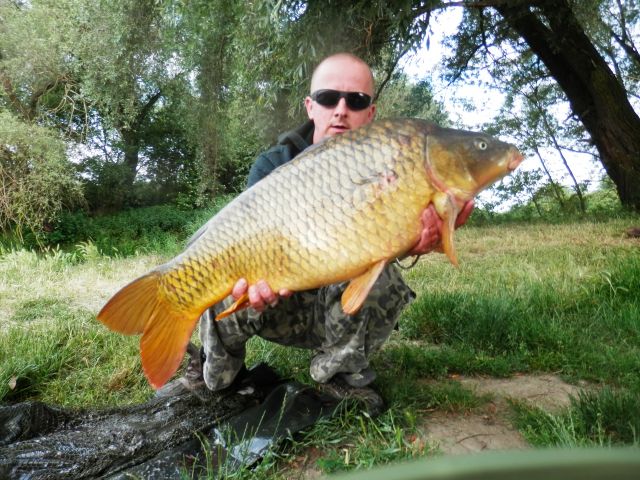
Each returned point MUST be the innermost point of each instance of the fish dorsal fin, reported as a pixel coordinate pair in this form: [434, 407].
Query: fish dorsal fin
[447, 208]
[239, 304]
[356, 292]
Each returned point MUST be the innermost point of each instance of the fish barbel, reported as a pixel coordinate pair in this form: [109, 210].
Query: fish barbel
[341, 210]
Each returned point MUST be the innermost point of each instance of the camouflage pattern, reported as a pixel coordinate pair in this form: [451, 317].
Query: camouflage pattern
[311, 319]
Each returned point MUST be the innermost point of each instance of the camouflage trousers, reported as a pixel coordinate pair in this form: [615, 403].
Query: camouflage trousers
[311, 319]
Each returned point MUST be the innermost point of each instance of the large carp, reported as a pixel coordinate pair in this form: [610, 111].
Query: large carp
[339, 211]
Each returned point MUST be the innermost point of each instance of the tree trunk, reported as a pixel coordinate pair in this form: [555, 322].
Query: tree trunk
[595, 95]
[131, 140]
[131, 150]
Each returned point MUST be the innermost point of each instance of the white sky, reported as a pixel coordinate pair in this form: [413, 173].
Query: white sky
[427, 63]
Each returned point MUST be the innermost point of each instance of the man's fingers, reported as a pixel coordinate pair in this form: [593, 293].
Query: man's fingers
[239, 289]
[268, 296]
[260, 294]
[430, 234]
[255, 299]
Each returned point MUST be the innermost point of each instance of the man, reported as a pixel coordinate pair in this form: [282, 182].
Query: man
[342, 88]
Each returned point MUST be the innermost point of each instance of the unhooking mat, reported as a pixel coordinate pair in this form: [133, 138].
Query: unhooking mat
[170, 438]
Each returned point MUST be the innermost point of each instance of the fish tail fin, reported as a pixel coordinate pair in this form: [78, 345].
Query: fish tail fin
[164, 342]
[129, 309]
[138, 308]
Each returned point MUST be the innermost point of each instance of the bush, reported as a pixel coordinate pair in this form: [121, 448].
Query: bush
[37, 179]
[159, 229]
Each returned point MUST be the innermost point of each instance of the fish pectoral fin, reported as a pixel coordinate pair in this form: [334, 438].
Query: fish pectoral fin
[448, 210]
[239, 304]
[164, 343]
[356, 292]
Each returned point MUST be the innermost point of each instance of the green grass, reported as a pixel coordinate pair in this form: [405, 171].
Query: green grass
[602, 418]
[560, 298]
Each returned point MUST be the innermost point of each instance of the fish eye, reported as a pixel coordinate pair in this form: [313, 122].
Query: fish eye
[482, 144]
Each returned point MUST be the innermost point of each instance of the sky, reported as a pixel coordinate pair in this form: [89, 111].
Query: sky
[428, 63]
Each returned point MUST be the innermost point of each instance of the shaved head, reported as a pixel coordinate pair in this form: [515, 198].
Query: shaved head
[346, 73]
[343, 64]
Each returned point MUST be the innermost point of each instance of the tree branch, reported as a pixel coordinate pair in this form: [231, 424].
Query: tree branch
[476, 3]
[142, 115]
[389, 71]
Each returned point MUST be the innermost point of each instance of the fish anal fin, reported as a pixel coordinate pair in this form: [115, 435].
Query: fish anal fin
[448, 209]
[129, 309]
[239, 304]
[356, 292]
[164, 343]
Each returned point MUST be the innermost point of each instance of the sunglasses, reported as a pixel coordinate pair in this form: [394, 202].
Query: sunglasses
[330, 98]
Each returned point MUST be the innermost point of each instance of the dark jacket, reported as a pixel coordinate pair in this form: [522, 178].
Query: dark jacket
[289, 145]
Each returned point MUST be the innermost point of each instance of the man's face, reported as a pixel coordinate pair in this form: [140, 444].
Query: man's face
[346, 75]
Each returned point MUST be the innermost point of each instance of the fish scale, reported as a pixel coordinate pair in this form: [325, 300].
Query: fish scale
[338, 211]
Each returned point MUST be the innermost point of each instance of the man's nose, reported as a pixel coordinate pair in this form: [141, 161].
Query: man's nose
[341, 108]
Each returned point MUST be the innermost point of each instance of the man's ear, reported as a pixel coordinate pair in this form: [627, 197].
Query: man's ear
[308, 104]
[372, 112]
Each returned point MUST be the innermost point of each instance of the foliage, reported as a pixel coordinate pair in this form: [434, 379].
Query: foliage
[535, 55]
[403, 97]
[37, 181]
[529, 198]
[606, 417]
[171, 101]
[159, 229]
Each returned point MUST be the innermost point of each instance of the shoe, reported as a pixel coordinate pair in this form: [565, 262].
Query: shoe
[340, 390]
[359, 379]
[191, 380]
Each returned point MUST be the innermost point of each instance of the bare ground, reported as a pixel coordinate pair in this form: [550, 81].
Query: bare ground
[483, 429]
[489, 428]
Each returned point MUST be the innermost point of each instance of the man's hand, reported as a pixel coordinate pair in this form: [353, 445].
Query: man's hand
[432, 226]
[260, 294]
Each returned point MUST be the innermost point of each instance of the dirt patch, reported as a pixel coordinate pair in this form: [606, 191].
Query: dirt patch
[547, 392]
[473, 432]
[304, 467]
[490, 428]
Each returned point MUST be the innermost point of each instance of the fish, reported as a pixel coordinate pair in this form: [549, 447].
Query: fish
[339, 211]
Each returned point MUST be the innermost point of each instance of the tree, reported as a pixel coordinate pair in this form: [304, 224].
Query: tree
[405, 98]
[36, 180]
[122, 75]
[553, 32]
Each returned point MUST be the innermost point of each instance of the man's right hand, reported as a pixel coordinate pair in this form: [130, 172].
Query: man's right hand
[260, 294]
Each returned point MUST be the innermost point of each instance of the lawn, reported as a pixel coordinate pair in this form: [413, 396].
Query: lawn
[528, 298]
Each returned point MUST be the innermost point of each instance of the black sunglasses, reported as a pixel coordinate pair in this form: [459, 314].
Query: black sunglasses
[330, 98]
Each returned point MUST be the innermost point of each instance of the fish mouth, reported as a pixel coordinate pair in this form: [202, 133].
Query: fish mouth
[516, 159]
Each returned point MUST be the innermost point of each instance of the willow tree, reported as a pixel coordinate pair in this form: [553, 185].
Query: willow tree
[36, 178]
[563, 39]
[123, 64]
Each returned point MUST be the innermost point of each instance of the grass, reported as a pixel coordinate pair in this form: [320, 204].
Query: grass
[595, 419]
[561, 298]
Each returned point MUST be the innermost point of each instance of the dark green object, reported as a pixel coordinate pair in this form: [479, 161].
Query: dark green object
[556, 464]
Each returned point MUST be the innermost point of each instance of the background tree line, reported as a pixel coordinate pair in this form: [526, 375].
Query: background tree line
[108, 105]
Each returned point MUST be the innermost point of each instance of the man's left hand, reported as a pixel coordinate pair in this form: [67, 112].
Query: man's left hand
[430, 238]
